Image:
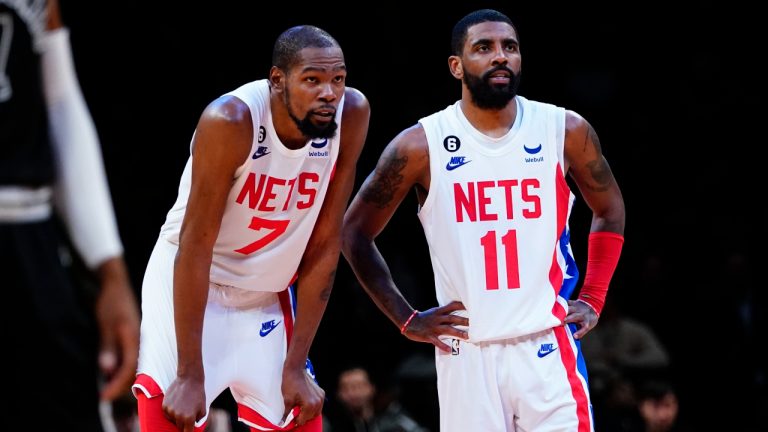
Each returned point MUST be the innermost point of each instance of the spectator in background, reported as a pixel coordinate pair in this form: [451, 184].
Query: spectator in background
[623, 346]
[64, 340]
[658, 407]
[363, 408]
[620, 354]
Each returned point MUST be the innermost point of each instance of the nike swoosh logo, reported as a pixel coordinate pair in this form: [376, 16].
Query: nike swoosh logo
[265, 331]
[451, 167]
[543, 353]
[532, 150]
[258, 155]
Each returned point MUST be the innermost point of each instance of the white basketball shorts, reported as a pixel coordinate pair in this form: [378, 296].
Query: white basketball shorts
[530, 383]
[245, 340]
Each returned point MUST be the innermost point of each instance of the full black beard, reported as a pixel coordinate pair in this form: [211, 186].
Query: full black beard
[305, 125]
[488, 96]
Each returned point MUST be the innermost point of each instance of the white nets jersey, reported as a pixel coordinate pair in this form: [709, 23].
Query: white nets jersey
[496, 220]
[272, 207]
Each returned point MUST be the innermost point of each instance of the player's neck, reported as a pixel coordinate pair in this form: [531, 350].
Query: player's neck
[493, 123]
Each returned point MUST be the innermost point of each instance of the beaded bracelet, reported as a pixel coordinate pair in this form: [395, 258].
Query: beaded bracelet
[408, 321]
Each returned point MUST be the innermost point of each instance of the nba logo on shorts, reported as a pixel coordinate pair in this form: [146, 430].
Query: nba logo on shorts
[454, 347]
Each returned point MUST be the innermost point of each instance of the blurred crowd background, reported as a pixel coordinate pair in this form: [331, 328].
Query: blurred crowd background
[673, 95]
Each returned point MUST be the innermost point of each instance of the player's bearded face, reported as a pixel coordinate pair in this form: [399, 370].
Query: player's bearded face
[307, 126]
[492, 96]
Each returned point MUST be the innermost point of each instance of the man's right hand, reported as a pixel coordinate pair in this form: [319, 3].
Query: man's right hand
[184, 403]
[430, 325]
[300, 390]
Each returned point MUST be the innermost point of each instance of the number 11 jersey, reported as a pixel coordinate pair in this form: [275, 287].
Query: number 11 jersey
[496, 220]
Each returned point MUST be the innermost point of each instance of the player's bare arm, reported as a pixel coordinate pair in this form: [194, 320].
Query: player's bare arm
[318, 266]
[399, 167]
[403, 165]
[590, 171]
[381, 192]
[222, 143]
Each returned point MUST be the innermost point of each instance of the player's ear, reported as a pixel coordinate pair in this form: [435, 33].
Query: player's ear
[277, 78]
[455, 66]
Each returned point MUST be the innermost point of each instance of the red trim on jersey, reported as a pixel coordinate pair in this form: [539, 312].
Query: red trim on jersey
[556, 279]
[568, 356]
[333, 172]
[563, 195]
[253, 419]
[285, 304]
[147, 385]
[314, 425]
[150, 406]
[257, 422]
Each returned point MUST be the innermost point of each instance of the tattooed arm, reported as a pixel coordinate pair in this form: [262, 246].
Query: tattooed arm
[403, 165]
[590, 171]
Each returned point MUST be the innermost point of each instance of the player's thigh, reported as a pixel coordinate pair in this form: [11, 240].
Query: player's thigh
[468, 391]
[157, 347]
[549, 381]
[258, 341]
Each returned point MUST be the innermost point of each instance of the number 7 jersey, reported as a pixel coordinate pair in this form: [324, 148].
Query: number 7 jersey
[496, 220]
[272, 207]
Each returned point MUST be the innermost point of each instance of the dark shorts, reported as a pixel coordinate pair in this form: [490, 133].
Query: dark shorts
[51, 339]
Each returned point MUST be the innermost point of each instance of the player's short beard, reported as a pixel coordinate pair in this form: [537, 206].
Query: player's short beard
[305, 125]
[489, 96]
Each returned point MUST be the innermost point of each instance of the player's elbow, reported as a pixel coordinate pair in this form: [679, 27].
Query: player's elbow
[616, 215]
[610, 219]
[351, 238]
[347, 240]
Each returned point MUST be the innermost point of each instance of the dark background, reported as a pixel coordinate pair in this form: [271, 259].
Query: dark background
[673, 95]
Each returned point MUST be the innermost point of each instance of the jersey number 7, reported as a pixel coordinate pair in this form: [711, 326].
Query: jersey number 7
[277, 226]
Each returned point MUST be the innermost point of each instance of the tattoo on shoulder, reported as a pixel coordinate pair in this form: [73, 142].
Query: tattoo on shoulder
[598, 168]
[385, 182]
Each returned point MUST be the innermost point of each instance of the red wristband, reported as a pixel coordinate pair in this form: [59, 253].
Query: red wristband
[408, 321]
[602, 258]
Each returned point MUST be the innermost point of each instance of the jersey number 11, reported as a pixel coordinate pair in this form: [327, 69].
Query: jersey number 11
[509, 243]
